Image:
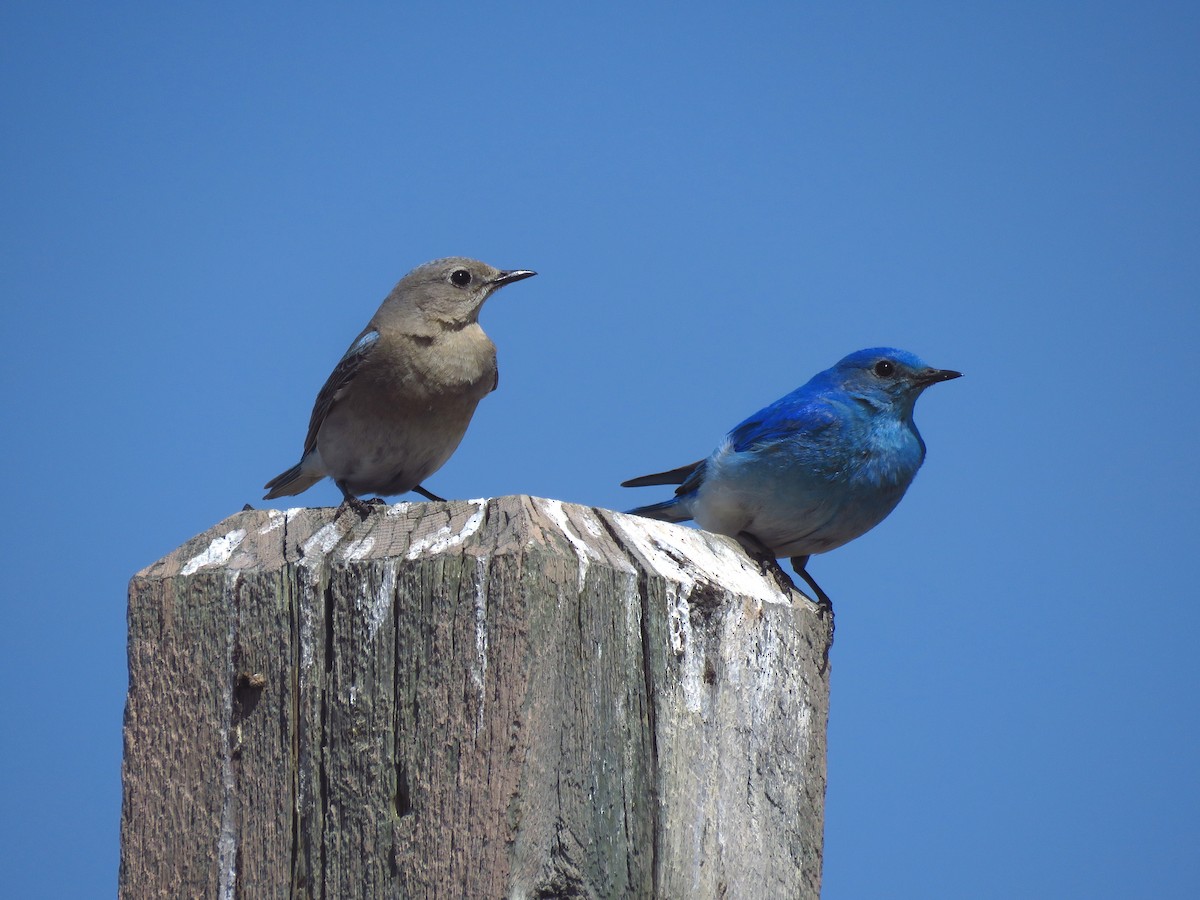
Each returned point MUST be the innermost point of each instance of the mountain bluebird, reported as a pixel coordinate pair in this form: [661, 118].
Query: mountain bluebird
[813, 470]
[400, 400]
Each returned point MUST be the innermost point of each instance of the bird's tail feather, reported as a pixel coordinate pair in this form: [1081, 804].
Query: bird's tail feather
[675, 476]
[668, 511]
[290, 483]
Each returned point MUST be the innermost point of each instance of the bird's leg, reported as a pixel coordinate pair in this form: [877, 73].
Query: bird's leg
[824, 604]
[800, 564]
[362, 507]
[766, 560]
[428, 495]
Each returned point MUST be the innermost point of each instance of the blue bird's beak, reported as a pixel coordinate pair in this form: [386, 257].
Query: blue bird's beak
[933, 376]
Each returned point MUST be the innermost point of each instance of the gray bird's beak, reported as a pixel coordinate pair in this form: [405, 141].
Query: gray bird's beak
[933, 376]
[509, 277]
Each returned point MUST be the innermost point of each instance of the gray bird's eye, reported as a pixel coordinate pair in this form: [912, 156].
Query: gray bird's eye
[885, 368]
[461, 277]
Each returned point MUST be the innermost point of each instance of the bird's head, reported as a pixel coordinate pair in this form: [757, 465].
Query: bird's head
[450, 291]
[885, 377]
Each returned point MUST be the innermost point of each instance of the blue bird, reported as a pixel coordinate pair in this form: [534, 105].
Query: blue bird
[813, 470]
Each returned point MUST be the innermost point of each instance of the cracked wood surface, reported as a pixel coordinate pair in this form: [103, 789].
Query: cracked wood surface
[513, 697]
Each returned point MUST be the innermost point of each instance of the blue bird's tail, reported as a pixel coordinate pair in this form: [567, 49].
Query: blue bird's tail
[679, 508]
[668, 511]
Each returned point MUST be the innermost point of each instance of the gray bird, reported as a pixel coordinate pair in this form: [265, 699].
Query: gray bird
[399, 402]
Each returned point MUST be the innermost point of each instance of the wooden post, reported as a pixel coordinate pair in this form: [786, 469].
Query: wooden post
[489, 698]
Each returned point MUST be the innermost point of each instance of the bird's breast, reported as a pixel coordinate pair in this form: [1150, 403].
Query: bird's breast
[448, 366]
[461, 360]
[889, 457]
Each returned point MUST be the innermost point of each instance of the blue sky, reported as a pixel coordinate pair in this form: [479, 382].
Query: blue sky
[202, 207]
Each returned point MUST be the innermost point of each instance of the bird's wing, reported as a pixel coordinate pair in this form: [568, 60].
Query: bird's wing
[785, 418]
[675, 476]
[343, 373]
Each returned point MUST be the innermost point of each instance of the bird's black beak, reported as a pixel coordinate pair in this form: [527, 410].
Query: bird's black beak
[933, 376]
[509, 277]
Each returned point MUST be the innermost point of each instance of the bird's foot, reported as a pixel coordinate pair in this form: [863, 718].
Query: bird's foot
[770, 567]
[428, 495]
[824, 605]
[362, 507]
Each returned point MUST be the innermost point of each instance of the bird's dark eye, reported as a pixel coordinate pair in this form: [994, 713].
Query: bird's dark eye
[461, 277]
[885, 368]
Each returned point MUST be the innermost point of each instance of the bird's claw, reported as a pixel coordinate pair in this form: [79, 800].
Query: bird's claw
[768, 567]
[772, 567]
[362, 507]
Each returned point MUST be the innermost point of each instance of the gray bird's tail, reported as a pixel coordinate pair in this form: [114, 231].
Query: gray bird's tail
[291, 482]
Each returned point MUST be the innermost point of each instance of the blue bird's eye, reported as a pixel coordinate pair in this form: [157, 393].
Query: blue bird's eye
[460, 277]
[885, 368]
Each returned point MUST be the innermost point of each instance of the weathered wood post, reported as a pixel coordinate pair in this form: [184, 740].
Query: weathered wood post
[490, 698]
